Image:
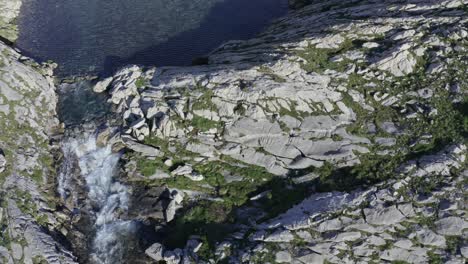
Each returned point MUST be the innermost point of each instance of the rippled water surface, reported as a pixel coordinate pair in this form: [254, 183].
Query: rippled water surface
[93, 36]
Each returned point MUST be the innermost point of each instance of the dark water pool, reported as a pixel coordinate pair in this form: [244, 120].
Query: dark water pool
[96, 36]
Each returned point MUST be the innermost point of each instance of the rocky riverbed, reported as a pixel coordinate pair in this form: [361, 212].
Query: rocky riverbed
[338, 135]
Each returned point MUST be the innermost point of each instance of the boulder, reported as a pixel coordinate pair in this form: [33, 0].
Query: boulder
[187, 171]
[145, 150]
[102, 86]
[195, 176]
[399, 63]
[183, 170]
[429, 238]
[173, 256]
[383, 216]
[451, 226]
[171, 210]
[155, 251]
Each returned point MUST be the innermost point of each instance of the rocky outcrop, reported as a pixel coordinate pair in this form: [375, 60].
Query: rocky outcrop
[398, 220]
[9, 11]
[363, 96]
[273, 103]
[338, 142]
[31, 227]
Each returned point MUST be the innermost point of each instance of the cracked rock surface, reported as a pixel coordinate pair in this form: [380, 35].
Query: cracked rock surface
[346, 103]
[338, 135]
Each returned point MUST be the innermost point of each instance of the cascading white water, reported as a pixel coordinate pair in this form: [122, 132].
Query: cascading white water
[98, 166]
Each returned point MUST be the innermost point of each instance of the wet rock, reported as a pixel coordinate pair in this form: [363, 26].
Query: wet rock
[103, 136]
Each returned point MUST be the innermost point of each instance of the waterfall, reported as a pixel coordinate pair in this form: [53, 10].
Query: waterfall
[97, 166]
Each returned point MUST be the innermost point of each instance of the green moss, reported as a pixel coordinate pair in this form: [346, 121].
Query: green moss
[148, 167]
[318, 60]
[39, 260]
[5, 239]
[141, 82]
[434, 258]
[204, 102]
[453, 244]
[204, 124]
[201, 219]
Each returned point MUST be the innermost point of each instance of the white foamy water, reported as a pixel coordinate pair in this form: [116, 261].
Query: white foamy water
[98, 166]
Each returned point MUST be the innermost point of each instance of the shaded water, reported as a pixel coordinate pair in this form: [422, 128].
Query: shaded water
[78, 103]
[92, 36]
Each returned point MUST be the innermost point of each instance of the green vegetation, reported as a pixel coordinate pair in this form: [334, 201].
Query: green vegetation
[319, 60]
[26, 204]
[204, 124]
[442, 116]
[141, 82]
[5, 239]
[434, 258]
[204, 102]
[201, 219]
[453, 244]
[39, 260]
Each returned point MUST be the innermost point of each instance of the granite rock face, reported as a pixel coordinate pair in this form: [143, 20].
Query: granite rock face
[9, 11]
[28, 121]
[360, 96]
[333, 143]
